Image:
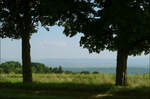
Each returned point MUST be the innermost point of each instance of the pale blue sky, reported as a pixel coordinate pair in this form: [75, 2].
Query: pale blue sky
[53, 44]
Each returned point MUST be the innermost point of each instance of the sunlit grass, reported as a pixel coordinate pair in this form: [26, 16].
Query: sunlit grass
[57, 86]
[134, 80]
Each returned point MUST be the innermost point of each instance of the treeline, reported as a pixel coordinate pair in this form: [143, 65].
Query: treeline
[16, 67]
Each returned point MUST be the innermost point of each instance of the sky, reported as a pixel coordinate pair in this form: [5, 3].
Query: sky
[53, 44]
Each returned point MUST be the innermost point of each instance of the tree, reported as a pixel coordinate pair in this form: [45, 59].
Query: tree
[117, 25]
[39, 68]
[57, 70]
[60, 70]
[1, 71]
[19, 20]
[10, 67]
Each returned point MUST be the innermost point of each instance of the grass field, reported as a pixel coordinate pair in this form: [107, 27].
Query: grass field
[73, 86]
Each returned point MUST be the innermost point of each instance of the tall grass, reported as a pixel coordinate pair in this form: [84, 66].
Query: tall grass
[134, 80]
[79, 86]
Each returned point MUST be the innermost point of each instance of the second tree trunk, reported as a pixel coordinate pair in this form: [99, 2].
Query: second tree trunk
[121, 70]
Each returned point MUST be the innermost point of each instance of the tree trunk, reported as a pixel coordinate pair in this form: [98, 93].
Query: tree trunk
[121, 70]
[26, 33]
[26, 59]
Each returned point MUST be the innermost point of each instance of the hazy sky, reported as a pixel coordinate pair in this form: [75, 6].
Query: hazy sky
[52, 44]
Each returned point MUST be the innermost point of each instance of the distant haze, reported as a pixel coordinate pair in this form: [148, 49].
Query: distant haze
[137, 65]
[84, 63]
[53, 44]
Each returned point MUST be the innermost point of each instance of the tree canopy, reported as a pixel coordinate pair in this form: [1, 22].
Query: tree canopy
[115, 24]
[18, 15]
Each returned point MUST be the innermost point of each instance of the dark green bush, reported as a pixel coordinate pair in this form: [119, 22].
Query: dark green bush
[85, 72]
[68, 72]
[95, 72]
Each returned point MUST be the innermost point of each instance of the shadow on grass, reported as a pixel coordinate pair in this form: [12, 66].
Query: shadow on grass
[72, 91]
[138, 91]
[55, 90]
[60, 86]
[127, 93]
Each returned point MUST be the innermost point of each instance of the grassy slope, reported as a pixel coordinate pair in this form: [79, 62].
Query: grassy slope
[73, 86]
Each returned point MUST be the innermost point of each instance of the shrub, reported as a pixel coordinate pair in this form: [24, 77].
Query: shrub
[85, 72]
[68, 72]
[95, 72]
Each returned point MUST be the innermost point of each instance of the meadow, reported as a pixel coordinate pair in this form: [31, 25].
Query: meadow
[74, 86]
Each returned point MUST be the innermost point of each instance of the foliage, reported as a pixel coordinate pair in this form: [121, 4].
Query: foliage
[10, 67]
[39, 68]
[95, 72]
[85, 72]
[14, 15]
[113, 24]
[57, 70]
[15, 67]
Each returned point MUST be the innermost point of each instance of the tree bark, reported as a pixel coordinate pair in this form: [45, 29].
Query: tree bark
[121, 70]
[26, 59]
